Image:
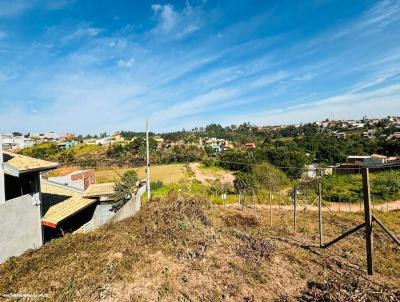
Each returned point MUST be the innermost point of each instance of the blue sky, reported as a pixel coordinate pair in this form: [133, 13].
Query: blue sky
[88, 66]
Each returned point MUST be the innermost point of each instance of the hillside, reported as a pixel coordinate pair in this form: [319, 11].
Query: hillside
[181, 248]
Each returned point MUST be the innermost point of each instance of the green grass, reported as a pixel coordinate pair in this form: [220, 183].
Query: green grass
[348, 188]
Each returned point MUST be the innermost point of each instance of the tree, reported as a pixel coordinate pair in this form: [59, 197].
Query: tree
[269, 177]
[237, 161]
[245, 182]
[124, 189]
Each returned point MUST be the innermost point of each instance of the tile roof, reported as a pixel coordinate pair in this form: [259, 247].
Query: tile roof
[99, 190]
[27, 164]
[60, 203]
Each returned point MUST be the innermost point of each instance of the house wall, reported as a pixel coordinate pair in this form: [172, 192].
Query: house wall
[131, 207]
[102, 214]
[20, 227]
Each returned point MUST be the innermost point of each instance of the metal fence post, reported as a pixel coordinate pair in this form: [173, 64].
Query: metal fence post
[294, 208]
[270, 208]
[368, 220]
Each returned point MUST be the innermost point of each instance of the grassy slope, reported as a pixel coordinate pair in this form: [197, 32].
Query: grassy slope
[181, 249]
[166, 173]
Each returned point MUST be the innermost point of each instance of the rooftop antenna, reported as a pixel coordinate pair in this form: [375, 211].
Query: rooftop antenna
[148, 161]
[2, 187]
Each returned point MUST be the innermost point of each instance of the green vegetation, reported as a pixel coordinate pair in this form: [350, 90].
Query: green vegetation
[124, 189]
[43, 151]
[385, 186]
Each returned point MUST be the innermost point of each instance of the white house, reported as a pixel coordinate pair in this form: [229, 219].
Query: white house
[11, 142]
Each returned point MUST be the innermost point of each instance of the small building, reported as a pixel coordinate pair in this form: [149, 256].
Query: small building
[68, 144]
[104, 141]
[369, 133]
[339, 135]
[313, 170]
[64, 210]
[357, 159]
[79, 179]
[376, 159]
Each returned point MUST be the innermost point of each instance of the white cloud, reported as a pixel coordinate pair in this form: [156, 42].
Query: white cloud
[270, 79]
[82, 32]
[379, 102]
[167, 15]
[176, 24]
[127, 64]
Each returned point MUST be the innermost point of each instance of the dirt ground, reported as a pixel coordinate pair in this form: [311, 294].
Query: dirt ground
[206, 175]
[182, 248]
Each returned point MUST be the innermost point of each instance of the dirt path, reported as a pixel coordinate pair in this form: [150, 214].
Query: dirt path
[206, 176]
[331, 207]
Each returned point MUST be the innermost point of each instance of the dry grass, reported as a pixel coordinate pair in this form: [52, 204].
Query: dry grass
[181, 248]
[166, 173]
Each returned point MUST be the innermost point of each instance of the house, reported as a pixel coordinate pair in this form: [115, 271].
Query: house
[369, 133]
[89, 141]
[250, 146]
[45, 137]
[104, 140]
[79, 179]
[117, 137]
[103, 194]
[64, 210]
[339, 135]
[358, 125]
[68, 144]
[376, 159]
[357, 159]
[68, 137]
[313, 170]
[20, 203]
[12, 142]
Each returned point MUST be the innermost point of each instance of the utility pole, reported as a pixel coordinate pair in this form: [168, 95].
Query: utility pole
[2, 186]
[148, 160]
[321, 240]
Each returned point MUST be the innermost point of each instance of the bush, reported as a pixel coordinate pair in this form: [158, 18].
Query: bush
[124, 189]
[209, 162]
[155, 185]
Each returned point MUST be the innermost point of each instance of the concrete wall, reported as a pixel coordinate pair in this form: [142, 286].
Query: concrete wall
[20, 227]
[102, 214]
[131, 207]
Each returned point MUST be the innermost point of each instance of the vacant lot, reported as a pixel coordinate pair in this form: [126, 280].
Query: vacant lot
[166, 173]
[182, 249]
